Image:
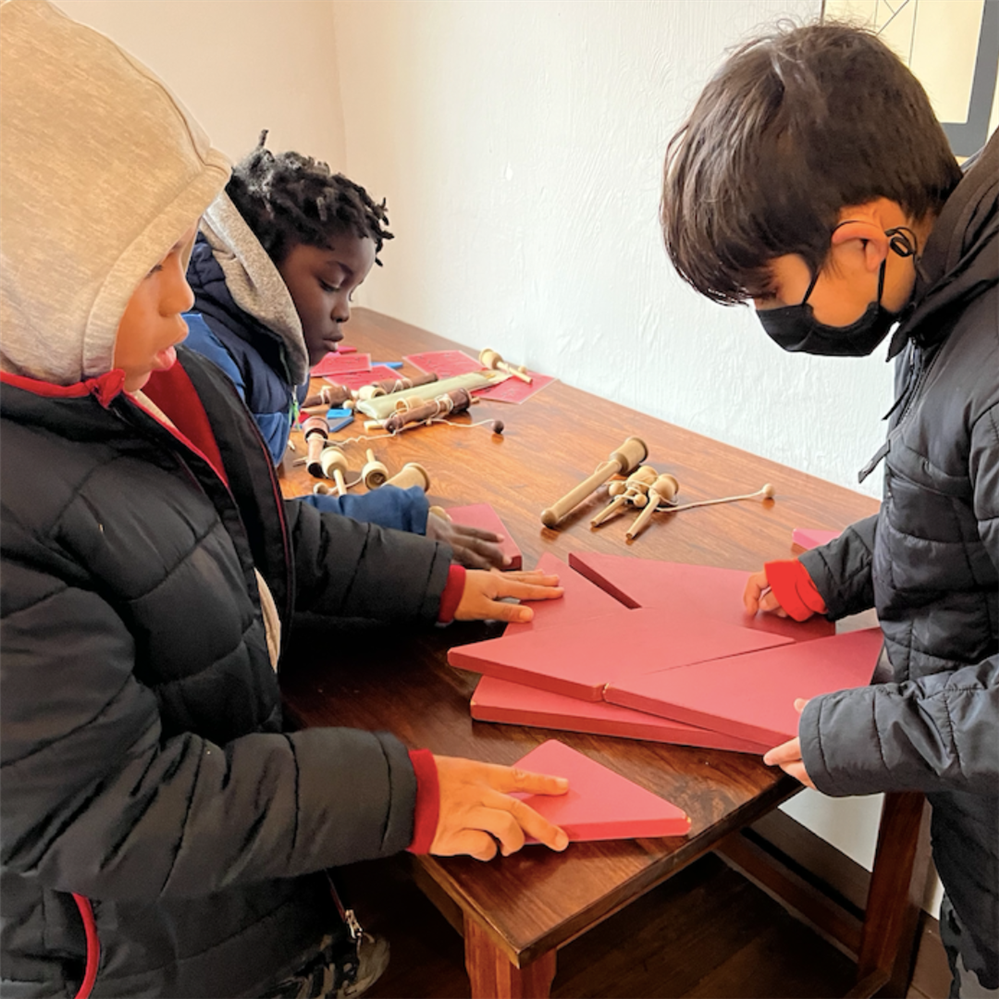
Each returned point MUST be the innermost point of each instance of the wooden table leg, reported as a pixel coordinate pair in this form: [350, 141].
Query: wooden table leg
[891, 918]
[494, 976]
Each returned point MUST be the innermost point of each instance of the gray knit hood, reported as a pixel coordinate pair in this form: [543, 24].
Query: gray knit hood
[103, 170]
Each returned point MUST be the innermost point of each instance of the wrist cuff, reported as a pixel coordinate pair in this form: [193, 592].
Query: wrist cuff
[452, 594]
[793, 588]
[428, 800]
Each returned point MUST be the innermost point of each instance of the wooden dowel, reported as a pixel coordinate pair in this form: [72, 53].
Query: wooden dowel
[661, 491]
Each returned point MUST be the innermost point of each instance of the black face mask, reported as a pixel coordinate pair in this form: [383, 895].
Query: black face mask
[795, 328]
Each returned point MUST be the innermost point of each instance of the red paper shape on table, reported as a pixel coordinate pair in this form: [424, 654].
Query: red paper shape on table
[515, 704]
[345, 348]
[357, 379]
[483, 516]
[580, 601]
[580, 658]
[335, 364]
[752, 696]
[699, 592]
[810, 537]
[599, 804]
[447, 363]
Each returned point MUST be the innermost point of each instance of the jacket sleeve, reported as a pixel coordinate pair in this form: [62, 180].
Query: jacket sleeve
[99, 798]
[389, 506]
[841, 570]
[348, 568]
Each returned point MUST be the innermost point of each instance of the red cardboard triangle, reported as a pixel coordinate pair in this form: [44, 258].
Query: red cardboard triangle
[483, 516]
[599, 804]
[752, 696]
[700, 591]
[515, 704]
[580, 658]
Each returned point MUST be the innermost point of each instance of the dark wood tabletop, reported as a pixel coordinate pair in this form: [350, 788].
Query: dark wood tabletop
[525, 906]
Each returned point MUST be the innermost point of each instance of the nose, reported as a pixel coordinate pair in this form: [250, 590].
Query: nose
[341, 309]
[179, 297]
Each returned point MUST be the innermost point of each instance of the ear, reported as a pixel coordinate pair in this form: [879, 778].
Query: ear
[861, 235]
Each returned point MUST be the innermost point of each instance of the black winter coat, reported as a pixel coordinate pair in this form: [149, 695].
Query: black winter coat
[143, 760]
[929, 563]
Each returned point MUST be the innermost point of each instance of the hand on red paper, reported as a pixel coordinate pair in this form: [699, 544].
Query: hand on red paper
[473, 547]
[759, 597]
[476, 809]
[787, 755]
[482, 598]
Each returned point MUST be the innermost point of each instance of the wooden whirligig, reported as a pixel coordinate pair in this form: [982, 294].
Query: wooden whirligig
[489, 358]
[623, 461]
[663, 490]
[411, 474]
[374, 473]
[316, 430]
[334, 463]
[456, 401]
[633, 490]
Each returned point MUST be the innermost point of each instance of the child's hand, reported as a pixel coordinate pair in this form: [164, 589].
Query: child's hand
[787, 755]
[759, 597]
[482, 598]
[473, 547]
[476, 809]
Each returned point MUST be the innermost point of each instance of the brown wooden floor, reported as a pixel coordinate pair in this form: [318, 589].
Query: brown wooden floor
[706, 933]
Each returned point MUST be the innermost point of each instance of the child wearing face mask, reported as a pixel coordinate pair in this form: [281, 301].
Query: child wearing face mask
[162, 832]
[812, 178]
[279, 254]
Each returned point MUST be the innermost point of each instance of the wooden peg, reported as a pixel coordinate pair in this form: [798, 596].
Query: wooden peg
[374, 473]
[334, 464]
[316, 430]
[621, 462]
[635, 487]
[411, 474]
[661, 491]
[489, 358]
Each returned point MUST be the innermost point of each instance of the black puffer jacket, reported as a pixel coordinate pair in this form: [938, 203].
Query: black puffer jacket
[929, 563]
[143, 761]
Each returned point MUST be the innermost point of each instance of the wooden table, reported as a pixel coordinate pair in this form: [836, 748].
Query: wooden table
[516, 912]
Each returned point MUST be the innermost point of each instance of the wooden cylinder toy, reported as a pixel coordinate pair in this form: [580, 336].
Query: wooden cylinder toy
[633, 491]
[328, 395]
[623, 461]
[661, 491]
[313, 461]
[411, 474]
[374, 473]
[334, 464]
[456, 401]
[489, 358]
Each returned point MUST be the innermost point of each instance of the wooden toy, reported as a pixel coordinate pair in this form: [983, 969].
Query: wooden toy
[382, 407]
[752, 696]
[334, 463]
[599, 804]
[621, 462]
[663, 490]
[483, 516]
[633, 490]
[374, 473]
[489, 358]
[411, 474]
[316, 430]
[509, 703]
[701, 592]
[453, 402]
[389, 386]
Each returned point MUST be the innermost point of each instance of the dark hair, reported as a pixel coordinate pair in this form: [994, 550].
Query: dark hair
[289, 198]
[794, 127]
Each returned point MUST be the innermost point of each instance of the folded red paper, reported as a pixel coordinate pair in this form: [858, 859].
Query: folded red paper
[483, 516]
[599, 804]
[699, 592]
[515, 704]
[810, 537]
[752, 696]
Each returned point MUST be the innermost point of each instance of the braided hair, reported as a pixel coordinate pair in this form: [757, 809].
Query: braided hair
[288, 198]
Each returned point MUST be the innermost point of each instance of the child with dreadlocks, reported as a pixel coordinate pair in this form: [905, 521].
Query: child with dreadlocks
[278, 256]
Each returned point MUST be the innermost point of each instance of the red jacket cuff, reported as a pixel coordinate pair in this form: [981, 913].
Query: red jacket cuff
[793, 587]
[451, 596]
[428, 800]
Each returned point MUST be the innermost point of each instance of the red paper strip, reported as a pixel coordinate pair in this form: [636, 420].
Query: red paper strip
[335, 364]
[808, 537]
[357, 379]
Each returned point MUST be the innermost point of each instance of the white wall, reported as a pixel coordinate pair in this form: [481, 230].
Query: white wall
[239, 65]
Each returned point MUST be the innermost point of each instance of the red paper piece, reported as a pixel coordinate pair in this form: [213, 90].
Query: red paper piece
[483, 516]
[700, 592]
[599, 804]
[356, 379]
[334, 364]
[808, 537]
[580, 601]
[752, 696]
[344, 348]
[515, 704]
[581, 658]
[514, 390]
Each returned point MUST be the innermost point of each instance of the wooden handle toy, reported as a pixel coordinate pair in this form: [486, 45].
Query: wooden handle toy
[661, 491]
[334, 463]
[456, 401]
[411, 474]
[489, 358]
[374, 473]
[635, 488]
[623, 461]
[389, 386]
[316, 430]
